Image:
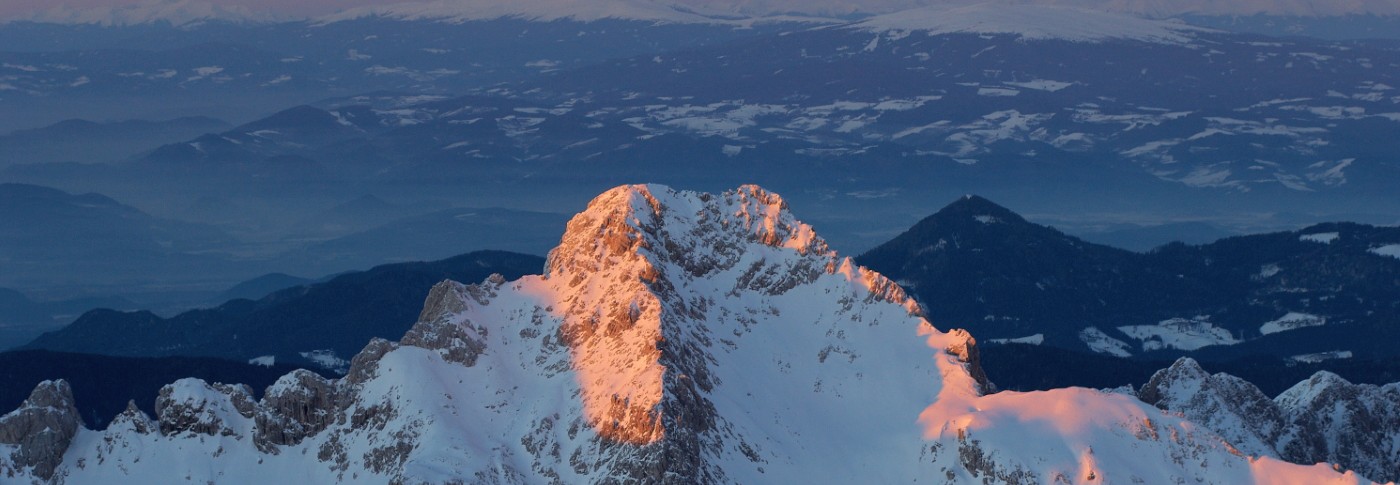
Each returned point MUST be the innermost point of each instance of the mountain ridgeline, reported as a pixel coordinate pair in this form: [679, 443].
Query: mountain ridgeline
[1055, 107]
[319, 325]
[1323, 418]
[673, 337]
[103, 385]
[1326, 291]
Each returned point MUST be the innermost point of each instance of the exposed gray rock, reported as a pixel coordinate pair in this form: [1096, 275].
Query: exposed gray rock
[298, 405]
[1230, 406]
[194, 406]
[459, 342]
[135, 419]
[42, 427]
[364, 365]
[1354, 425]
[1322, 419]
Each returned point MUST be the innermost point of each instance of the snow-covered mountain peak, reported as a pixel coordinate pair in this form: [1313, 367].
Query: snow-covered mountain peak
[180, 13]
[539, 10]
[1318, 386]
[650, 261]
[676, 337]
[1322, 419]
[1030, 22]
[687, 321]
[657, 221]
[1236, 409]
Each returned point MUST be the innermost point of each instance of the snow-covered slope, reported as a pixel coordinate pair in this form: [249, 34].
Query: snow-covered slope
[674, 337]
[1031, 22]
[176, 12]
[1224, 403]
[1322, 419]
[541, 10]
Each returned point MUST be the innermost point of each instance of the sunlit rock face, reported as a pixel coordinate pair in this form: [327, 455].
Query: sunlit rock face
[673, 337]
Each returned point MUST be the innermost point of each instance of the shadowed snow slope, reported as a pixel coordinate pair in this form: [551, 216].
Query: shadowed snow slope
[1322, 419]
[675, 337]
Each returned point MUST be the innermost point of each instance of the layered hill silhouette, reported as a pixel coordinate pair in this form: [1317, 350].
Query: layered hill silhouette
[1327, 289]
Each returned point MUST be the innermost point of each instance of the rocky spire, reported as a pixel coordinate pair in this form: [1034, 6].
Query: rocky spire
[41, 429]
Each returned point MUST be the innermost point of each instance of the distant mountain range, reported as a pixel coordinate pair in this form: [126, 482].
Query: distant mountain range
[868, 124]
[22, 318]
[47, 249]
[179, 13]
[94, 142]
[1049, 106]
[318, 325]
[192, 13]
[1315, 294]
[51, 235]
[242, 71]
[1323, 292]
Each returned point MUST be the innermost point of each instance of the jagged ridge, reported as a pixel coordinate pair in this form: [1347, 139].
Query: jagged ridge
[675, 338]
[1322, 419]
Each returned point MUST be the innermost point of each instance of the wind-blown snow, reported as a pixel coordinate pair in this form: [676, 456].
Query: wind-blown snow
[1031, 22]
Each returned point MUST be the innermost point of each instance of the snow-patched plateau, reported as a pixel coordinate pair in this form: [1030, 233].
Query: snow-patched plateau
[540, 10]
[1031, 22]
[674, 337]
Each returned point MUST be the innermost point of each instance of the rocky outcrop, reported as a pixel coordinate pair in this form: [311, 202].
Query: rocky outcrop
[298, 405]
[40, 430]
[1354, 425]
[1324, 419]
[136, 420]
[1230, 406]
[197, 407]
[459, 342]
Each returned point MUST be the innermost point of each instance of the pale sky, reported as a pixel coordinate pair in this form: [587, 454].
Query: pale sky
[9, 8]
[1152, 8]
[21, 8]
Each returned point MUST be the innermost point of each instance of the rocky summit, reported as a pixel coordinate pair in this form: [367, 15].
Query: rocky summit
[673, 337]
[1322, 419]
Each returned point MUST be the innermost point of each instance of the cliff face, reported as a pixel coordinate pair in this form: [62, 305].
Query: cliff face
[39, 432]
